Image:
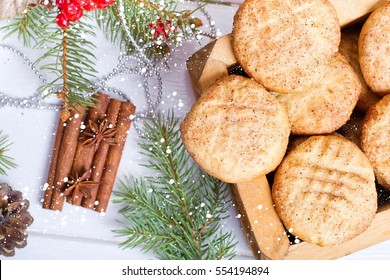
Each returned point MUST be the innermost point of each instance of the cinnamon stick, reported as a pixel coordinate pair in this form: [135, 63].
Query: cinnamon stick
[53, 165]
[85, 153]
[66, 156]
[114, 156]
[101, 154]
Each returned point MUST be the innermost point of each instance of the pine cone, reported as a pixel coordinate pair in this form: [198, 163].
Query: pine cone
[14, 220]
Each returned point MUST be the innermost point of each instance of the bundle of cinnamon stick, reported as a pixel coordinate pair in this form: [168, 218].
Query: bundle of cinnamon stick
[86, 155]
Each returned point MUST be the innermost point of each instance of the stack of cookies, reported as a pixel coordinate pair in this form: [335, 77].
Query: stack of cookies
[306, 77]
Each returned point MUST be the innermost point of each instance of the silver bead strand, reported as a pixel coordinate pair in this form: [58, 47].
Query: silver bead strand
[34, 101]
[121, 11]
[213, 32]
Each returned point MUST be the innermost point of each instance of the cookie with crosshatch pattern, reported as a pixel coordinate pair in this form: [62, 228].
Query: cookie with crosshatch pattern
[324, 190]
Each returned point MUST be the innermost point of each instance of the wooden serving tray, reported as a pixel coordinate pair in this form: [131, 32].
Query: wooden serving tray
[265, 233]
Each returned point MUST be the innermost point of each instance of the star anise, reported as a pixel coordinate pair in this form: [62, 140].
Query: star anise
[80, 186]
[100, 132]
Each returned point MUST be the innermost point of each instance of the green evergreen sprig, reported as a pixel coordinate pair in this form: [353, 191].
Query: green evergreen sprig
[6, 162]
[70, 58]
[28, 26]
[178, 212]
[69, 54]
[151, 23]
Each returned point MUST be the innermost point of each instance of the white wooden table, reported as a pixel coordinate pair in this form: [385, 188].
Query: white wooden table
[77, 233]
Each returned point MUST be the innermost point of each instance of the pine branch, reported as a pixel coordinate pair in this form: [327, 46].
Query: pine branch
[69, 54]
[6, 162]
[29, 26]
[176, 213]
[70, 58]
[151, 23]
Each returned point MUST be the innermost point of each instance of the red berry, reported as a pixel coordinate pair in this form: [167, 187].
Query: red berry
[72, 11]
[62, 21]
[102, 4]
[61, 3]
[80, 3]
[89, 6]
